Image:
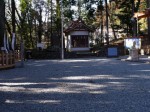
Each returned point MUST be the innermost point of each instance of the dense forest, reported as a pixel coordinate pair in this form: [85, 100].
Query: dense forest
[35, 21]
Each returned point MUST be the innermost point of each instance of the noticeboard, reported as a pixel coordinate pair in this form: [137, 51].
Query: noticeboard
[112, 52]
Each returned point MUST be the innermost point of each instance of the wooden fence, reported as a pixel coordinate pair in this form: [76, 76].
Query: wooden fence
[7, 60]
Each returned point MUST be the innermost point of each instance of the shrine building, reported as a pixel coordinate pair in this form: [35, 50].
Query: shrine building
[77, 36]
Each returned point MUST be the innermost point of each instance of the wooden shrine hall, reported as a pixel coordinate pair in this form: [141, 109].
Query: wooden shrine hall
[77, 36]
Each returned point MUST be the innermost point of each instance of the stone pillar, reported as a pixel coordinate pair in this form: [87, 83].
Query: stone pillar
[133, 53]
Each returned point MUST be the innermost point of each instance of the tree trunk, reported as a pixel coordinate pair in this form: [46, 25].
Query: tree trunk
[107, 26]
[35, 33]
[2, 22]
[114, 33]
[51, 38]
[57, 40]
[13, 24]
[102, 35]
[148, 6]
[134, 22]
[40, 27]
[13, 17]
[31, 30]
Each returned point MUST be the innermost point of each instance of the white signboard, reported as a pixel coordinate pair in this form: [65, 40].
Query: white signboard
[40, 45]
[128, 43]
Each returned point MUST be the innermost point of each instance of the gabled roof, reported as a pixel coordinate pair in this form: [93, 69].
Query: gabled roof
[78, 25]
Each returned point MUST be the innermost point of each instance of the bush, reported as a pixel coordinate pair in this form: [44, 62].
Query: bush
[53, 48]
[44, 54]
[96, 48]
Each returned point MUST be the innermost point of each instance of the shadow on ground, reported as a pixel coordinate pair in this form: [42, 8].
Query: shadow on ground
[80, 85]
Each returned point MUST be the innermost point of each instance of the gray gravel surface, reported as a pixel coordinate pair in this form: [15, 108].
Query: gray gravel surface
[76, 85]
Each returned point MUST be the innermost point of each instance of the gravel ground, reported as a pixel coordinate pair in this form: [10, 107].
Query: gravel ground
[76, 85]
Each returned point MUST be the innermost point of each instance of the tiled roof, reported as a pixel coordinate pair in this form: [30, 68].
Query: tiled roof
[78, 25]
[143, 14]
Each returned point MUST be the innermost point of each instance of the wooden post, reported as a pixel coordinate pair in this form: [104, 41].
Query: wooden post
[3, 59]
[0, 59]
[7, 56]
[13, 57]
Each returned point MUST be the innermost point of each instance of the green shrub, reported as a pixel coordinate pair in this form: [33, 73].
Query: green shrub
[53, 48]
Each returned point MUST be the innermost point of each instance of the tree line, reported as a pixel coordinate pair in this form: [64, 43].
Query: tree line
[32, 21]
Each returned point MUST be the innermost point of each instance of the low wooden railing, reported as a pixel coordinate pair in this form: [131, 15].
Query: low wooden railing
[7, 60]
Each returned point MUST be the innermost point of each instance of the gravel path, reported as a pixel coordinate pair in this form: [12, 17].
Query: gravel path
[76, 85]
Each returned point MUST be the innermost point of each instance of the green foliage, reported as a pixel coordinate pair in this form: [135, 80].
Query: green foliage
[34, 16]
